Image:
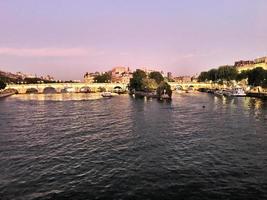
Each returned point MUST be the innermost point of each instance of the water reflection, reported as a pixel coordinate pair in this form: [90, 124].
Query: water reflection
[131, 148]
[256, 107]
[58, 97]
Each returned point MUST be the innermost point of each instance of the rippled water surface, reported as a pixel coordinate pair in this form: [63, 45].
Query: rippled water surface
[87, 147]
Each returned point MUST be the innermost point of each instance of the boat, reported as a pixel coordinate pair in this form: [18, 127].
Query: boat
[107, 94]
[219, 92]
[85, 90]
[235, 92]
[164, 96]
[68, 90]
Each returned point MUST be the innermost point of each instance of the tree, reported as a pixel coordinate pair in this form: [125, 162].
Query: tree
[227, 73]
[137, 81]
[32, 80]
[164, 87]
[257, 76]
[2, 84]
[157, 76]
[213, 74]
[223, 73]
[203, 77]
[149, 85]
[242, 75]
[103, 78]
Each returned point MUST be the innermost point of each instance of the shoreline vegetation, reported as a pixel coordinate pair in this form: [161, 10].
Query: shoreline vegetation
[151, 85]
[229, 75]
[154, 85]
[253, 81]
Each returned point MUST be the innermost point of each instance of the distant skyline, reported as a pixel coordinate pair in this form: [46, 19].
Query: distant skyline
[66, 38]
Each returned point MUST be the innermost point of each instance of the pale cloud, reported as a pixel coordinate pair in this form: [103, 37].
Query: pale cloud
[193, 55]
[46, 52]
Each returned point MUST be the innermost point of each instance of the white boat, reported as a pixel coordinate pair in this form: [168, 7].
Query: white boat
[235, 92]
[107, 94]
[69, 90]
[219, 92]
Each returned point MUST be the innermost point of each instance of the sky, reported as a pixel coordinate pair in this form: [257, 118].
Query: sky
[66, 38]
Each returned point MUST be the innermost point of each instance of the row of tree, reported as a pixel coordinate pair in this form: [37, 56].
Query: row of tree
[149, 83]
[2, 84]
[223, 73]
[254, 77]
[103, 78]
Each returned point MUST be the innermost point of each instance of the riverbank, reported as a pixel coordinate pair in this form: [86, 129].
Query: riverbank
[261, 95]
[6, 94]
[150, 95]
[257, 95]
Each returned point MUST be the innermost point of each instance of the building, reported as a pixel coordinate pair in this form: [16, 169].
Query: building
[24, 75]
[148, 71]
[47, 78]
[89, 77]
[243, 63]
[261, 60]
[183, 79]
[121, 74]
[169, 76]
[118, 71]
[251, 64]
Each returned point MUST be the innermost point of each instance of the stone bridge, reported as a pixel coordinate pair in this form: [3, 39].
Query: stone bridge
[186, 86]
[89, 87]
[65, 87]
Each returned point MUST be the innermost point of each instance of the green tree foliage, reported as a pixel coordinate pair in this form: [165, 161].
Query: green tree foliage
[6, 79]
[103, 78]
[203, 77]
[149, 85]
[257, 77]
[242, 75]
[32, 80]
[136, 83]
[2, 84]
[227, 73]
[157, 76]
[223, 73]
[213, 74]
[164, 87]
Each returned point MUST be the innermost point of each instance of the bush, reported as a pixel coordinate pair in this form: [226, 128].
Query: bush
[2, 84]
[164, 88]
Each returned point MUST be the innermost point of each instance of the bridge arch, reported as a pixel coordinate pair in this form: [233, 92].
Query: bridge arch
[13, 90]
[49, 90]
[118, 89]
[85, 89]
[191, 87]
[32, 91]
[179, 87]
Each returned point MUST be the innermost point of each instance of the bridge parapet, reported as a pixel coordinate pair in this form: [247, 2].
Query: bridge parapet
[176, 85]
[22, 88]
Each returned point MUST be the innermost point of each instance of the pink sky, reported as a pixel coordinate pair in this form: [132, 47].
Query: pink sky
[67, 38]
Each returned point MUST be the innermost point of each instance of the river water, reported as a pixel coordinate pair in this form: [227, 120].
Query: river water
[86, 147]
